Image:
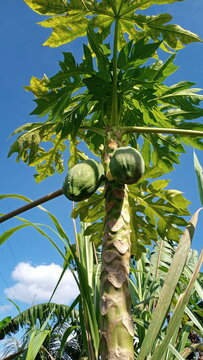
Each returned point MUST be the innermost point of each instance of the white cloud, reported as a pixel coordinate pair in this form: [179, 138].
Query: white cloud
[4, 308]
[35, 284]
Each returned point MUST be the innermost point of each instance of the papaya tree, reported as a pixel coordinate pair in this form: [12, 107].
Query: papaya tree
[114, 106]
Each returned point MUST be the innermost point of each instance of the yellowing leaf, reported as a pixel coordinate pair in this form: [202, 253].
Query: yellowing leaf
[48, 7]
[62, 34]
[69, 19]
[38, 86]
[173, 35]
[144, 4]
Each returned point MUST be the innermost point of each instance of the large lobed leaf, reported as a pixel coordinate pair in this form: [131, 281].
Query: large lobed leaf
[155, 213]
[81, 13]
[173, 36]
[54, 7]
[40, 312]
[28, 146]
[144, 4]
[79, 97]
[50, 7]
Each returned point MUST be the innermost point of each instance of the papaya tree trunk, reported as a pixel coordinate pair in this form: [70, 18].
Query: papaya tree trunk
[115, 304]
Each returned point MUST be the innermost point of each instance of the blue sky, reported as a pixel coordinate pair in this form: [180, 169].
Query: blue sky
[22, 56]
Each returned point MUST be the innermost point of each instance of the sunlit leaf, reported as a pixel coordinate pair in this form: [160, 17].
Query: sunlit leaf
[50, 7]
[38, 86]
[174, 36]
[36, 341]
[144, 4]
[64, 34]
[6, 235]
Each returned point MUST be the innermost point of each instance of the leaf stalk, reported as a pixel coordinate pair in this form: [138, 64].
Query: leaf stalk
[114, 110]
[154, 130]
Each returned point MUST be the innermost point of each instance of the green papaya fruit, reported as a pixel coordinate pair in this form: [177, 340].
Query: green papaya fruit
[126, 165]
[83, 180]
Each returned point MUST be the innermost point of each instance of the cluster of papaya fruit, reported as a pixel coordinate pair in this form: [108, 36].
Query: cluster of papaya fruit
[126, 167]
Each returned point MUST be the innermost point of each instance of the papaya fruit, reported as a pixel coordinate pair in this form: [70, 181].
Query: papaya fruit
[126, 165]
[83, 180]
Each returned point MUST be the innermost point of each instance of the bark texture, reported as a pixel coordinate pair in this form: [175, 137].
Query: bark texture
[116, 323]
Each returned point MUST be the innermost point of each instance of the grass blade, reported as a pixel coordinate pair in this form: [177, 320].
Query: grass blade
[178, 313]
[175, 352]
[52, 217]
[64, 339]
[36, 341]
[199, 174]
[168, 288]
[10, 232]
[61, 277]
[194, 319]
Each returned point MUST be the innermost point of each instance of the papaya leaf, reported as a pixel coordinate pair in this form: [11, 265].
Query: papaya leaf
[50, 7]
[95, 231]
[162, 209]
[79, 97]
[192, 112]
[132, 55]
[90, 210]
[27, 145]
[144, 4]
[75, 154]
[54, 7]
[140, 233]
[165, 69]
[101, 16]
[64, 34]
[188, 94]
[195, 142]
[101, 56]
[67, 20]
[174, 36]
[39, 87]
[29, 140]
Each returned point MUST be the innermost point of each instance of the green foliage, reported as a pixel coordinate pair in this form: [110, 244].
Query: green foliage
[49, 7]
[74, 17]
[36, 313]
[114, 88]
[4, 323]
[155, 213]
[164, 262]
[78, 101]
[77, 259]
[147, 288]
[42, 324]
[46, 160]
